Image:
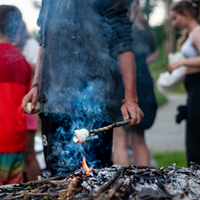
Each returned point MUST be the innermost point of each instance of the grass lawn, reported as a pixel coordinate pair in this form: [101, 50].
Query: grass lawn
[168, 158]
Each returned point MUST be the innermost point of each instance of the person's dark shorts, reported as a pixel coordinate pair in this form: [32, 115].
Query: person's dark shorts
[62, 155]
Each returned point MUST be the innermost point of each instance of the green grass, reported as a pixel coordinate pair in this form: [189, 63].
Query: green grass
[159, 65]
[156, 68]
[180, 89]
[168, 158]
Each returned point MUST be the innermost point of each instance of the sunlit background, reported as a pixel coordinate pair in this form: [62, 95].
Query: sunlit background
[30, 12]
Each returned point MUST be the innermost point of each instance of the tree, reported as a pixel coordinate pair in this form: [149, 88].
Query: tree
[36, 4]
[148, 7]
[197, 2]
[170, 44]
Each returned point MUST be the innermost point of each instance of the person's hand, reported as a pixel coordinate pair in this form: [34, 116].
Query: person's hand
[131, 108]
[173, 66]
[30, 97]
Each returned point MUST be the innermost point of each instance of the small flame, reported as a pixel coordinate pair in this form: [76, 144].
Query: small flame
[85, 167]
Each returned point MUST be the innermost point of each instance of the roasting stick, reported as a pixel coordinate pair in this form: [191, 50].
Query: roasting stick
[82, 134]
[106, 128]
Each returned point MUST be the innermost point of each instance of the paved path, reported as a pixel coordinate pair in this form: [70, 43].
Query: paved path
[165, 134]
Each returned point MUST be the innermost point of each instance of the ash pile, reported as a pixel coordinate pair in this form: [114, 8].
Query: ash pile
[116, 182]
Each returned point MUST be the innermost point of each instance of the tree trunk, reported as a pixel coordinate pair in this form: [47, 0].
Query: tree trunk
[169, 45]
[147, 6]
[197, 2]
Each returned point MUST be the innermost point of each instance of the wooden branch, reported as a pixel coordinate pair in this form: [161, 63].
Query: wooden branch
[36, 194]
[43, 181]
[50, 181]
[23, 193]
[15, 197]
[71, 190]
[27, 195]
[115, 188]
[106, 128]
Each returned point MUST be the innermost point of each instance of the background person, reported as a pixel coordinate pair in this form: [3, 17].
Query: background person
[145, 54]
[184, 16]
[30, 49]
[78, 79]
[15, 80]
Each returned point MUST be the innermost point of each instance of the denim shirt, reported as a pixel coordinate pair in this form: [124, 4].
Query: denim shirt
[79, 74]
[114, 14]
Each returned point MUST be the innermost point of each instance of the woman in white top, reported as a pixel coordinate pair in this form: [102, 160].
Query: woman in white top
[184, 17]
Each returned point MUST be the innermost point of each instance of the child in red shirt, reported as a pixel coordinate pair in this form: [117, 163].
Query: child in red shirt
[15, 79]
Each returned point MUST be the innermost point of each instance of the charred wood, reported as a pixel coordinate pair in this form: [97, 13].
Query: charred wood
[114, 183]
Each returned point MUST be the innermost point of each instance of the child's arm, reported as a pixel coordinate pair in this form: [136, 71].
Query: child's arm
[32, 95]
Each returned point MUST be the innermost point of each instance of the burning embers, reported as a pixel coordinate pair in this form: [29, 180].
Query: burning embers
[141, 183]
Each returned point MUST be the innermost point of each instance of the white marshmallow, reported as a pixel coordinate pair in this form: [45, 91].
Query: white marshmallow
[29, 106]
[81, 135]
[75, 139]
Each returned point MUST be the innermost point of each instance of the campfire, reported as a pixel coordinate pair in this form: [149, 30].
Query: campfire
[85, 167]
[116, 182]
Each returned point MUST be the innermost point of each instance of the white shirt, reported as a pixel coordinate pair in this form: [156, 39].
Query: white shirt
[31, 50]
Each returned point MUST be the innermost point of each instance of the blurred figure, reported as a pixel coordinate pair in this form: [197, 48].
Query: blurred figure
[29, 48]
[184, 16]
[15, 80]
[145, 54]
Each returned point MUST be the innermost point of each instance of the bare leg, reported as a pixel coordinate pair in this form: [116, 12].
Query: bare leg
[120, 153]
[139, 147]
[31, 165]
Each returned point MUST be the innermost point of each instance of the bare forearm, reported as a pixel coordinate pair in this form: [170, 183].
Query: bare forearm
[127, 68]
[37, 68]
[129, 108]
[191, 62]
[152, 57]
